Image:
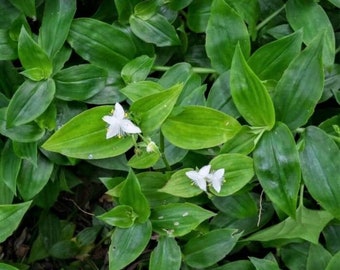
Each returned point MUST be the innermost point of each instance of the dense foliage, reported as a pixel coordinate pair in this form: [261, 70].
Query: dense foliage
[169, 134]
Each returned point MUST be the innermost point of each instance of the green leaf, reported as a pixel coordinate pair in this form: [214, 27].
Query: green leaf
[24, 133]
[10, 218]
[198, 127]
[152, 110]
[7, 195]
[32, 179]
[299, 13]
[178, 4]
[277, 166]
[320, 163]
[26, 6]
[8, 47]
[132, 195]
[84, 137]
[224, 31]
[121, 216]
[4, 266]
[9, 166]
[143, 160]
[335, 3]
[307, 226]
[198, 15]
[249, 94]
[236, 265]
[137, 90]
[124, 9]
[318, 257]
[208, 249]
[270, 61]
[156, 30]
[79, 82]
[334, 262]
[133, 239]
[178, 219]
[56, 24]
[137, 69]
[97, 48]
[33, 57]
[65, 249]
[238, 172]
[166, 255]
[30, 101]
[293, 104]
[264, 264]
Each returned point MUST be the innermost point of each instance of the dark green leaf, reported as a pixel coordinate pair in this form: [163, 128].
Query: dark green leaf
[320, 163]
[224, 31]
[30, 101]
[293, 103]
[10, 218]
[167, 255]
[79, 82]
[8, 47]
[318, 257]
[276, 162]
[97, 48]
[56, 24]
[156, 30]
[210, 248]
[198, 127]
[26, 6]
[137, 69]
[133, 239]
[334, 262]
[249, 94]
[264, 264]
[65, 249]
[299, 14]
[198, 15]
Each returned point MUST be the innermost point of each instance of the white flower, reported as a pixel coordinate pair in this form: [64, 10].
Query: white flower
[200, 178]
[151, 147]
[119, 125]
[204, 177]
[216, 179]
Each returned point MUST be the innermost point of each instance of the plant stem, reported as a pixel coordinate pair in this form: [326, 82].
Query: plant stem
[269, 18]
[194, 69]
[161, 149]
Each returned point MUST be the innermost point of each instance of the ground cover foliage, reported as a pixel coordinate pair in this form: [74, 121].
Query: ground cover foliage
[169, 134]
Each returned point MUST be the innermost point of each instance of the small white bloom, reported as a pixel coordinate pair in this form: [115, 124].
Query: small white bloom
[200, 177]
[119, 125]
[151, 147]
[216, 179]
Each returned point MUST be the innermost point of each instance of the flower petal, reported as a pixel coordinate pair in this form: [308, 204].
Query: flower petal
[204, 171]
[111, 120]
[216, 179]
[112, 131]
[119, 111]
[197, 179]
[128, 127]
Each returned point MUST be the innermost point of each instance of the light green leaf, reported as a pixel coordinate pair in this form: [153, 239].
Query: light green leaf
[320, 163]
[208, 249]
[293, 103]
[277, 166]
[121, 216]
[133, 239]
[79, 82]
[307, 226]
[151, 111]
[198, 127]
[137, 69]
[132, 195]
[299, 13]
[32, 179]
[143, 160]
[178, 219]
[4, 266]
[224, 31]
[56, 24]
[10, 218]
[166, 255]
[137, 90]
[270, 61]
[249, 94]
[84, 137]
[318, 257]
[33, 57]
[25, 6]
[156, 30]
[264, 264]
[97, 48]
[334, 262]
[30, 101]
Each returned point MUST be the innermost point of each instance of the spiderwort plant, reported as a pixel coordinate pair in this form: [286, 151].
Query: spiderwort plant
[139, 94]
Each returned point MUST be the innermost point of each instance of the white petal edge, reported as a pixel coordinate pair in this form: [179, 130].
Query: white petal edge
[128, 127]
[197, 179]
[119, 111]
